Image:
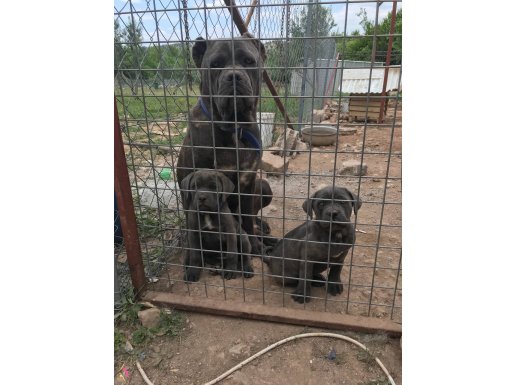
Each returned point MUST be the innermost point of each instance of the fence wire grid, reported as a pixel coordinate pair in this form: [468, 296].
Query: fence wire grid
[324, 82]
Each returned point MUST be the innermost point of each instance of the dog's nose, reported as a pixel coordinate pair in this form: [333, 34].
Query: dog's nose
[233, 76]
[202, 198]
[334, 214]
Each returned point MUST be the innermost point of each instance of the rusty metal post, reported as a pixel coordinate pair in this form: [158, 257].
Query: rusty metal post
[240, 24]
[123, 193]
[382, 111]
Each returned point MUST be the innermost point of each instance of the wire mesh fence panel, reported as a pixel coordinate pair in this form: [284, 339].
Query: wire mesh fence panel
[240, 199]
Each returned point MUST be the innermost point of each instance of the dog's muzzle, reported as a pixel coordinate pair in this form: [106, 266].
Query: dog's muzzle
[234, 82]
[336, 217]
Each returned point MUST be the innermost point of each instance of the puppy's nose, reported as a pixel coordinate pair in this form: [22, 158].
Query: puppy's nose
[202, 198]
[334, 214]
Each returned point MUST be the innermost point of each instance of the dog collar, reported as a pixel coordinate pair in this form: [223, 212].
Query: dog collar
[242, 133]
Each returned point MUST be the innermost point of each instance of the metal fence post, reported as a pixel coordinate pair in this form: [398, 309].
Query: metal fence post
[307, 52]
[122, 189]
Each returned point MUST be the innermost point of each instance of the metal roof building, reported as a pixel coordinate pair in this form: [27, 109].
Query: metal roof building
[357, 80]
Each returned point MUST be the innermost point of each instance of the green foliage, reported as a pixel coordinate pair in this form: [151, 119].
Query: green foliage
[322, 22]
[359, 46]
[119, 340]
[170, 324]
[316, 22]
[141, 335]
[129, 311]
[157, 103]
[154, 64]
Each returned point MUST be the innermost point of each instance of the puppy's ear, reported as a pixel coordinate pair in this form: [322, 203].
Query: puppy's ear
[356, 202]
[227, 185]
[187, 195]
[308, 207]
[198, 51]
[258, 44]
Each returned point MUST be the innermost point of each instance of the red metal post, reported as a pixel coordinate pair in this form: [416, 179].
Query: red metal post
[388, 56]
[122, 189]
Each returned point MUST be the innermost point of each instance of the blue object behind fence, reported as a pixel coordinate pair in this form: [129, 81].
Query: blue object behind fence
[118, 234]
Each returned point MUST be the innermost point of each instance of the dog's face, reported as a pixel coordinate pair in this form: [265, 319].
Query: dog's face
[206, 190]
[230, 73]
[334, 205]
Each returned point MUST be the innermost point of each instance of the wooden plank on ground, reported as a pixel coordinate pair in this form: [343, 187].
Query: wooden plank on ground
[274, 314]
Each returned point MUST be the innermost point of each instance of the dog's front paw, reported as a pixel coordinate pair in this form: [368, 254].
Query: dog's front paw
[248, 271]
[335, 288]
[318, 280]
[192, 274]
[263, 226]
[299, 296]
[229, 271]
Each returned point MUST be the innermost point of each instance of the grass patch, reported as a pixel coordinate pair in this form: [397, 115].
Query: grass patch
[155, 104]
[366, 357]
[148, 222]
[170, 324]
[141, 335]
[119, 341]
[127, 322]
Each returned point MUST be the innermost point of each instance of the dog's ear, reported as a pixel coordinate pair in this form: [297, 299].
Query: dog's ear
[356, 202]
[258, 44]
[227, 185]
[198, 51]
[187, 195]
[308, 207]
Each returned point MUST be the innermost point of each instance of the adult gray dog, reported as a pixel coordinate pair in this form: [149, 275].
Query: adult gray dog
[213, 232]
[223, 133]
[306, 250]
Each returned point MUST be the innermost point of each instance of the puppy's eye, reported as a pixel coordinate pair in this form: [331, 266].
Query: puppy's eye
[249, 61]
[215, 64]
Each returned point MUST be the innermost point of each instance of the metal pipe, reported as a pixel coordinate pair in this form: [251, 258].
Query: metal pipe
[382, 111]
[122, 189]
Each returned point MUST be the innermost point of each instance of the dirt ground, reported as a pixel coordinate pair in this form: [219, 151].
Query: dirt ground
[210, 345]
[372, 278]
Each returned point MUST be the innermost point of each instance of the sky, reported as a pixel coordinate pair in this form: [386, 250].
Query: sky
[218, 18]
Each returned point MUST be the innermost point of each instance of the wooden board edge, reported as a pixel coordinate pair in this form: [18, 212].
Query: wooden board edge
[275, 314]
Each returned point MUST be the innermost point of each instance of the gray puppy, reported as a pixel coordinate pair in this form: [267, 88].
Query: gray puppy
[330, 235]
[213, 232]
[222, 132]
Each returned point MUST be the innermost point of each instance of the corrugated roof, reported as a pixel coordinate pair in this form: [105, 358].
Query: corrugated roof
[356, 80]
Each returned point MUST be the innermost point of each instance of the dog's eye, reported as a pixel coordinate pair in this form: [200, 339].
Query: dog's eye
[215, 64]
[248, 61]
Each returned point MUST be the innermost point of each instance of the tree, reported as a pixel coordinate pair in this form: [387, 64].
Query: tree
[132, 38]
[359, 46]
[314, 20]
[319, 24]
